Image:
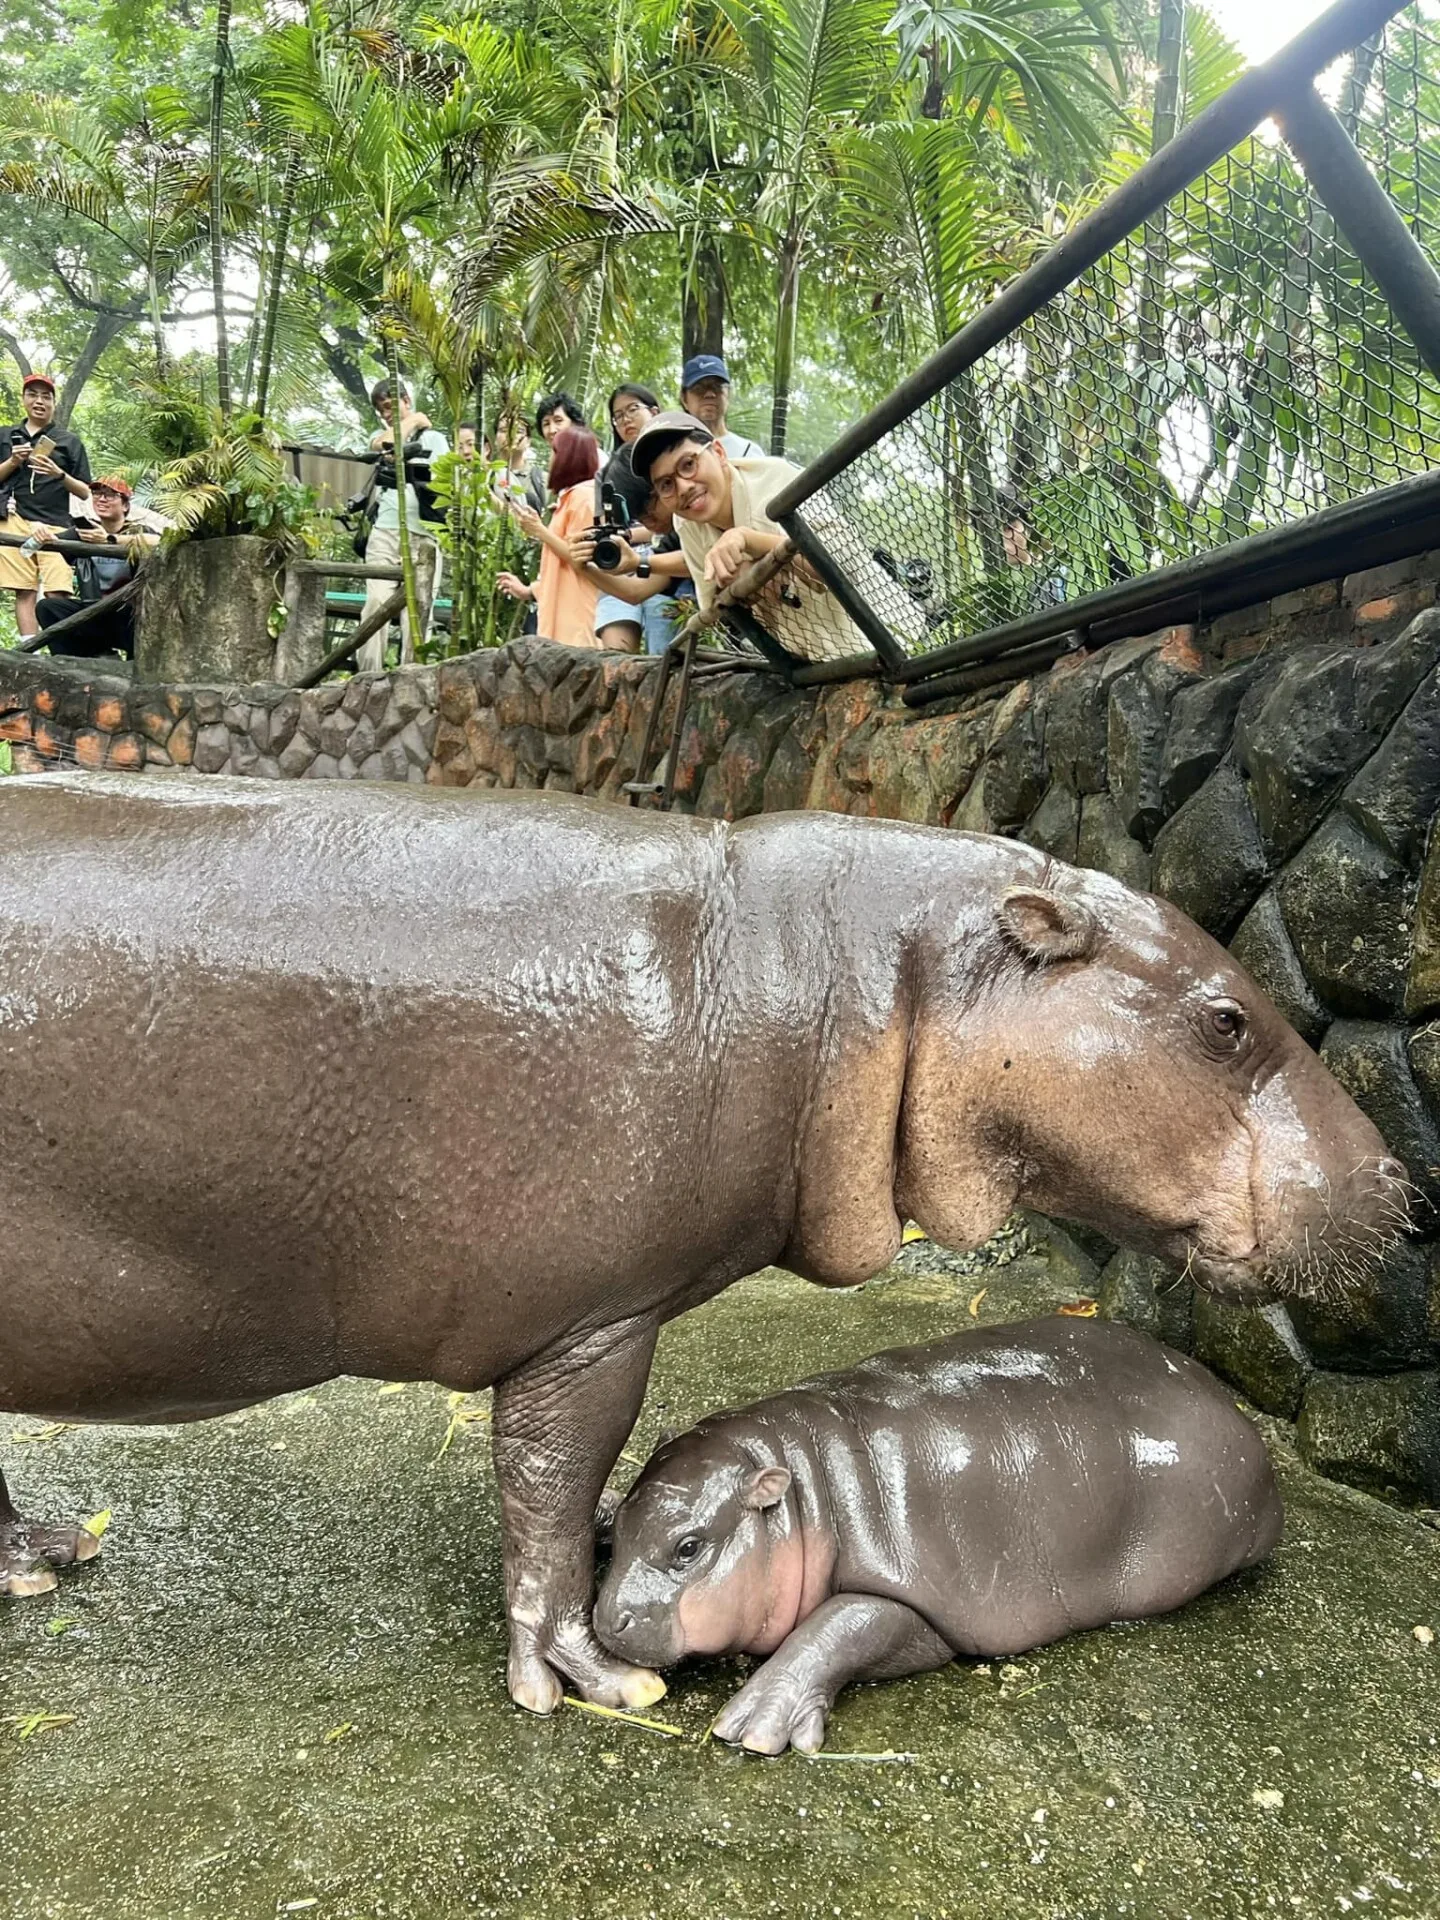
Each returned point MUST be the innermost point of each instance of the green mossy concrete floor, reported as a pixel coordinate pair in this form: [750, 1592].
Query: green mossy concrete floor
[285, 1679]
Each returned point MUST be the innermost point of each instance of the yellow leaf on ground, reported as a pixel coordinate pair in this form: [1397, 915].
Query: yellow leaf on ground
[1080, 1309]
[391, 1386]
[98, 1522]
[912, 1232]
[975, 1300]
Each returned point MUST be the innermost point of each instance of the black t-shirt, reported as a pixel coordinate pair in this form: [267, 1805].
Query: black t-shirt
[37, 496]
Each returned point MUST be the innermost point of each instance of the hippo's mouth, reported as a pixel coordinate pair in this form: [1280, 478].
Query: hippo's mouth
[1235, 1282]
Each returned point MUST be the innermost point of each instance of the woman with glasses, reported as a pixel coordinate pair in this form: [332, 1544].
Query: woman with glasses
[618, 625]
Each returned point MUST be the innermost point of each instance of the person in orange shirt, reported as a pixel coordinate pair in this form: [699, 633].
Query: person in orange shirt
[564, 596]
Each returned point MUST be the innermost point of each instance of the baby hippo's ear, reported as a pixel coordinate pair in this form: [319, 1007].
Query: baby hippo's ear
[765, 1487]
[1044, 927]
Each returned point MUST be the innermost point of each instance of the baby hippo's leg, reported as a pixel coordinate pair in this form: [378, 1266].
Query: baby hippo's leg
[852, 1637]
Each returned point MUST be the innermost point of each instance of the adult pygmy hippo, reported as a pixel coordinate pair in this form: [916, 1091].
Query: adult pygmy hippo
[481, 1088]
[980, 1496]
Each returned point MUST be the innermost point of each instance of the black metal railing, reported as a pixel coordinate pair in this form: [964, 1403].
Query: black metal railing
[1229, 367]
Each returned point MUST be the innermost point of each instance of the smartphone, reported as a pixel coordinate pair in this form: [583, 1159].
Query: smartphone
[42, 448]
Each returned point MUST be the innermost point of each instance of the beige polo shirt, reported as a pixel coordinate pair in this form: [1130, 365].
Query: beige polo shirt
[807, 621]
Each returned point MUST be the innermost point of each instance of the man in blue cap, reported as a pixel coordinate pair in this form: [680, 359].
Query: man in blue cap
[705, 393]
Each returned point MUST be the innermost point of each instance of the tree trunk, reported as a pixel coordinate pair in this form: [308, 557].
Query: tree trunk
[105, 328]
[703, 317]
[217, 201]
[276, 280]
[205, 612]
[787, 311]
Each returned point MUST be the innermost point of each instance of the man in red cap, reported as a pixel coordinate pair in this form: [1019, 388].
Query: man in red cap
[112, 631]
[44, 469]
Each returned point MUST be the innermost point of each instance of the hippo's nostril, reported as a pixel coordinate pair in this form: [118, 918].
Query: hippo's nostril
[624, 1622]
[1391, 1169]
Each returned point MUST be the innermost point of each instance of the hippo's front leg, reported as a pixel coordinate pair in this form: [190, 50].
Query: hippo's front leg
[559, 1424]
[30, 1553]
[851, 1637]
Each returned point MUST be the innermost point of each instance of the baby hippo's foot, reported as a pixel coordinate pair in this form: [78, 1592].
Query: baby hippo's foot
[780, 1706]
[847, 1638]
[541, 1660]
[30, 1553]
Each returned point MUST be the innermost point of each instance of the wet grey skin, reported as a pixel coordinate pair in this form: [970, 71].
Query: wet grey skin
[982, 1496]
[481, 1088]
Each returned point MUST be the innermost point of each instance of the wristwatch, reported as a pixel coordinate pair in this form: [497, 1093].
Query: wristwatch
[642, 569]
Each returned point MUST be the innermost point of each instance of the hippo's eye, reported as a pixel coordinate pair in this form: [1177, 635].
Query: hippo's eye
[685, 1550]
[1225, 1022]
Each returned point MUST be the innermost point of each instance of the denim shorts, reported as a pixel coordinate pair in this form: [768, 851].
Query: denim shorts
[610, 608]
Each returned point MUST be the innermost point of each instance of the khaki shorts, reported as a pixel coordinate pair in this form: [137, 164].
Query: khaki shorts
[23, 572]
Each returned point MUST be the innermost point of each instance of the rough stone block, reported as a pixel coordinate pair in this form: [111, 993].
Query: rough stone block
[107, 713]
[1256, 1348]
[356, 694]
[458, 695]
[1348, 908]
[1380, 1433]
[1316, 599]
[1370, 1061]
[1423, 1049]
[1054, 827]
[1201, 728]
[378, 700]
[1263, 948]
[1381, 1323]
[335, 731]
[208, 706]
[1102, 843]
[212, 749]
[1015, 774]
[323, 767]
[127, 752]
[244, 756]
[181, 744]
[1317, 718]
[1209, 859]
[411, 743]
[1138, 719]
[1422, 991]
[284, 717]
[1149, 1295]
[361, 743]
[1077, 725]
[1395, 795]
[787, 778]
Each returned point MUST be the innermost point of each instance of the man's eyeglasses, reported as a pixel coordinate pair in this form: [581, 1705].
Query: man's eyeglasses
[685, 468]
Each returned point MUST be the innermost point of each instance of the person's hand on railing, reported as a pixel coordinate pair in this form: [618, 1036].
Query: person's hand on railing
[727, 557]
[516, 588]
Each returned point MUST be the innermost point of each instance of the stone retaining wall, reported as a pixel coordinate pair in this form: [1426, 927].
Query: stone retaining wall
[1282, 796]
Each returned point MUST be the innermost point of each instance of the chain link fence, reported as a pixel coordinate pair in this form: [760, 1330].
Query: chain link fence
[1228, 367]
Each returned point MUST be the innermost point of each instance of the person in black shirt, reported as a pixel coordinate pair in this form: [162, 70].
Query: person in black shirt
[44, 468]
[111, 568]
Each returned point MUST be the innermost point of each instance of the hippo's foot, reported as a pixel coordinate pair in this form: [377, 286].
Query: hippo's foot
[559, 1424]
[849, 1637]
[30, 1553]
[541, 1662]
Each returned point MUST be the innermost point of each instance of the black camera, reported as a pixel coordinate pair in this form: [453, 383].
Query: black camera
[610, 526]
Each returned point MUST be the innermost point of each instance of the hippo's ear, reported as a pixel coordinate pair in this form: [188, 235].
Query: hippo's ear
[1044, 927]
[765, 1487]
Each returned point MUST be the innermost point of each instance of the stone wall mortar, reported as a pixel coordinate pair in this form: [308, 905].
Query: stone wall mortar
[1276, 773]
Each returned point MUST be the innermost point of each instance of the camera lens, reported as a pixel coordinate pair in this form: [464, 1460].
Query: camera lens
[606, 556]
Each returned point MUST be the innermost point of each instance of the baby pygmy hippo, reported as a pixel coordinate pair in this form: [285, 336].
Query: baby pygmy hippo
[980, 1496]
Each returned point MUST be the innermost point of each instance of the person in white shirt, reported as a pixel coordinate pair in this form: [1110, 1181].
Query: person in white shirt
[382, 549]
[720, 515]
[705, 393]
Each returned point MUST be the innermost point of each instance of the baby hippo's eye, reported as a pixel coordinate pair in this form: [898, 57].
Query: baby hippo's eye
[685, 1550]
